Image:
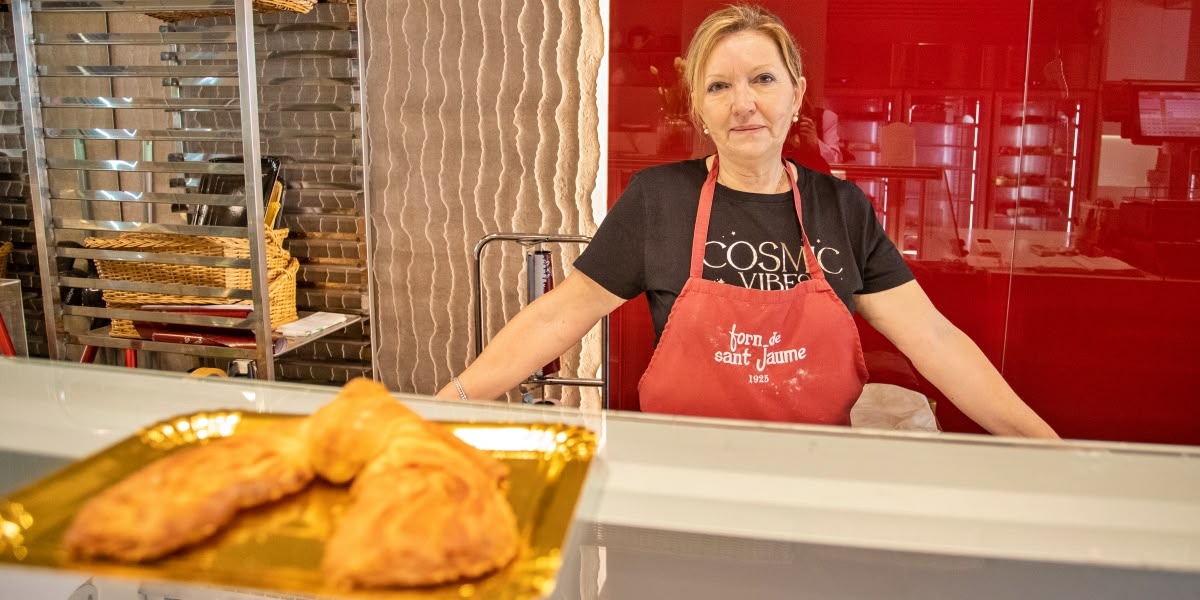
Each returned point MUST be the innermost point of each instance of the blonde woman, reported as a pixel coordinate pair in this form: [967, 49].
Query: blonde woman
[752, 310]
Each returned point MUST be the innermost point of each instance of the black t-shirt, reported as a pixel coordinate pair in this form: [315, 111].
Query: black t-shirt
[644, 243]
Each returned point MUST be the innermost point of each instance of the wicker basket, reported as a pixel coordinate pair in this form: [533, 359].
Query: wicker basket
[281, 272]
[260, 6]
[5, 250]
[281, 293]
[277, 258]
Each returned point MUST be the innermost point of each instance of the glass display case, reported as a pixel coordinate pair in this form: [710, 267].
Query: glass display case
[703, 508]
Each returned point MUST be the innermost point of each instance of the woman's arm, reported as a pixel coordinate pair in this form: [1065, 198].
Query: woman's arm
[830, 140]
[537, 334]
[945, 356]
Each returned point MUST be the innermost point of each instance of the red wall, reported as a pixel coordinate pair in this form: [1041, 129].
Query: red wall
[1092, 308]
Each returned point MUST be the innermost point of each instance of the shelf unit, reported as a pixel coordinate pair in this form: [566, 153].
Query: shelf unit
[862, 116]
[97, 181]
[1037, 158]
[16, 213]
[950, 133]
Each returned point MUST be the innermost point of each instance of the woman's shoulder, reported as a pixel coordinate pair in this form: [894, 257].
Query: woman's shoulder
[690, 169]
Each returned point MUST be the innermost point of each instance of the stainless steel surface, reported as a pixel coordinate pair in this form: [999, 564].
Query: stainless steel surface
[161, 317]
[117, 103]
[156, 257]
[144, 166]
[100, 338]
[358, 92]
[139, 39]
[157, 288]
[137, 71]
[140, 6]
[176, 135]
[36, 154]
[128, 226]
[529, 239]
[248, 93]
[149, 197]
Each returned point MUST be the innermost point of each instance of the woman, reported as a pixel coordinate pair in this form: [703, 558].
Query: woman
[752, 311]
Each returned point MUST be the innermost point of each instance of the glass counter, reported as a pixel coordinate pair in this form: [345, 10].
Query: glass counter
[696, 508]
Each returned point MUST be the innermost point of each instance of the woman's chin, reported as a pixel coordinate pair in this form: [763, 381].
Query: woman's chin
[750, 150]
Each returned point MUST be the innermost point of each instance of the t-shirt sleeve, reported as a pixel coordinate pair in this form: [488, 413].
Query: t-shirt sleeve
[615, 258]
[881, 264]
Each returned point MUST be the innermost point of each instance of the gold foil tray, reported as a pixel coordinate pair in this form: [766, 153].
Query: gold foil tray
[278, 547]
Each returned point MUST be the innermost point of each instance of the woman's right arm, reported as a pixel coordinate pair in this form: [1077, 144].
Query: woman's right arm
[536, 335]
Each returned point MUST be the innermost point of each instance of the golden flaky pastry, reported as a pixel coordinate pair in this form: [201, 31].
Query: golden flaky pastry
[187, 496]
[426, 507]
[357, 425]
[420, 514]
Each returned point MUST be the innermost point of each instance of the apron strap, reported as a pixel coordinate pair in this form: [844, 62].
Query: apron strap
[704, 214]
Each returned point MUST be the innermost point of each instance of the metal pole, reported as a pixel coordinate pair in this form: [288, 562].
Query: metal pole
[35, 152]
[248, 96]
[529, 239]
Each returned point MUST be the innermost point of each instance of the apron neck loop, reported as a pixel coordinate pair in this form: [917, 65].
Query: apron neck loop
[704, 213]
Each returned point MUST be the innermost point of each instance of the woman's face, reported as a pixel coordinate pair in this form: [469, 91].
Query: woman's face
[748, 100]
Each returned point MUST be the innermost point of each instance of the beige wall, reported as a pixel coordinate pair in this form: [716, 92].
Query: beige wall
[481, 117]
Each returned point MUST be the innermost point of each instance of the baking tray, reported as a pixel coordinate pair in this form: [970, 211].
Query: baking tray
[279, 546]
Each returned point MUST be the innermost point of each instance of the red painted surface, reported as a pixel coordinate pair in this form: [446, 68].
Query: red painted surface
[1100, 354]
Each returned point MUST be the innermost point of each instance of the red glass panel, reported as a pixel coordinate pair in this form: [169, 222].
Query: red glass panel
[1001, 160]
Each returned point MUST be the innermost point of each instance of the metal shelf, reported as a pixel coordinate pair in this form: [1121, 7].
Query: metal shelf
[107, 191]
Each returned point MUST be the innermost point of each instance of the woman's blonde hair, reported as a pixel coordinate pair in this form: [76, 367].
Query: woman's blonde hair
[725, 22]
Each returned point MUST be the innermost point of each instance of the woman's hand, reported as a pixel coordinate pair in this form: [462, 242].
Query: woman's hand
[945, 356]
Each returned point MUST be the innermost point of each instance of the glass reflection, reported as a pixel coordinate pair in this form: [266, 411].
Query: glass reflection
[1036, 162]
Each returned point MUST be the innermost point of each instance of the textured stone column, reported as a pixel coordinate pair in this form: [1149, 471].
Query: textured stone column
[481, 117]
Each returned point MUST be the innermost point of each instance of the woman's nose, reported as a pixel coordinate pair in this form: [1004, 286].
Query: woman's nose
[744, 100]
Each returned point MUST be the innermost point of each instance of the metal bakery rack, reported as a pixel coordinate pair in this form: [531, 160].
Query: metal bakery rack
[121, 176]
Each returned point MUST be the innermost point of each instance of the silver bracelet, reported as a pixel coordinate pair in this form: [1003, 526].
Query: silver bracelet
[458, 386]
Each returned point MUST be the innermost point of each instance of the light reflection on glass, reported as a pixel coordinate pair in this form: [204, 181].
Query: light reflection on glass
[509, 439]
[14, 522]
[185, 430]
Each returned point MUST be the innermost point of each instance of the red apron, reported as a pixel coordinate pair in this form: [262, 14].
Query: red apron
[742, 353]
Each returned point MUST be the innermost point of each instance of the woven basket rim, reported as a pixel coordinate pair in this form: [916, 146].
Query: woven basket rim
[259, 6]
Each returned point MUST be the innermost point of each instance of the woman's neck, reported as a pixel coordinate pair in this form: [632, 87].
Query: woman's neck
[756, 179]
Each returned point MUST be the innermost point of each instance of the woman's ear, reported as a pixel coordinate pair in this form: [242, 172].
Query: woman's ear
[798, 95]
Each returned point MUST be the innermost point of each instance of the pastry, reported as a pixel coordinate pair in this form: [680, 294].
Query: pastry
[425, 507]
[420, 514]
[362, 420]
[189, 495]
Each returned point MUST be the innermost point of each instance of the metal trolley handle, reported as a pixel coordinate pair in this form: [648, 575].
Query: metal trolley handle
[529, 239]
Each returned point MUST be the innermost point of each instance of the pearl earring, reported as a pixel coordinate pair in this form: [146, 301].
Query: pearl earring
[705, 130]
[795, 117]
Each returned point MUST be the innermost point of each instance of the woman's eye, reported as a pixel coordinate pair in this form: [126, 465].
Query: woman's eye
[765, 78]
[716, 87]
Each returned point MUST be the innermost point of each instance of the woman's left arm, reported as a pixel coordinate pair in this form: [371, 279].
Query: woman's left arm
[945, 356]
